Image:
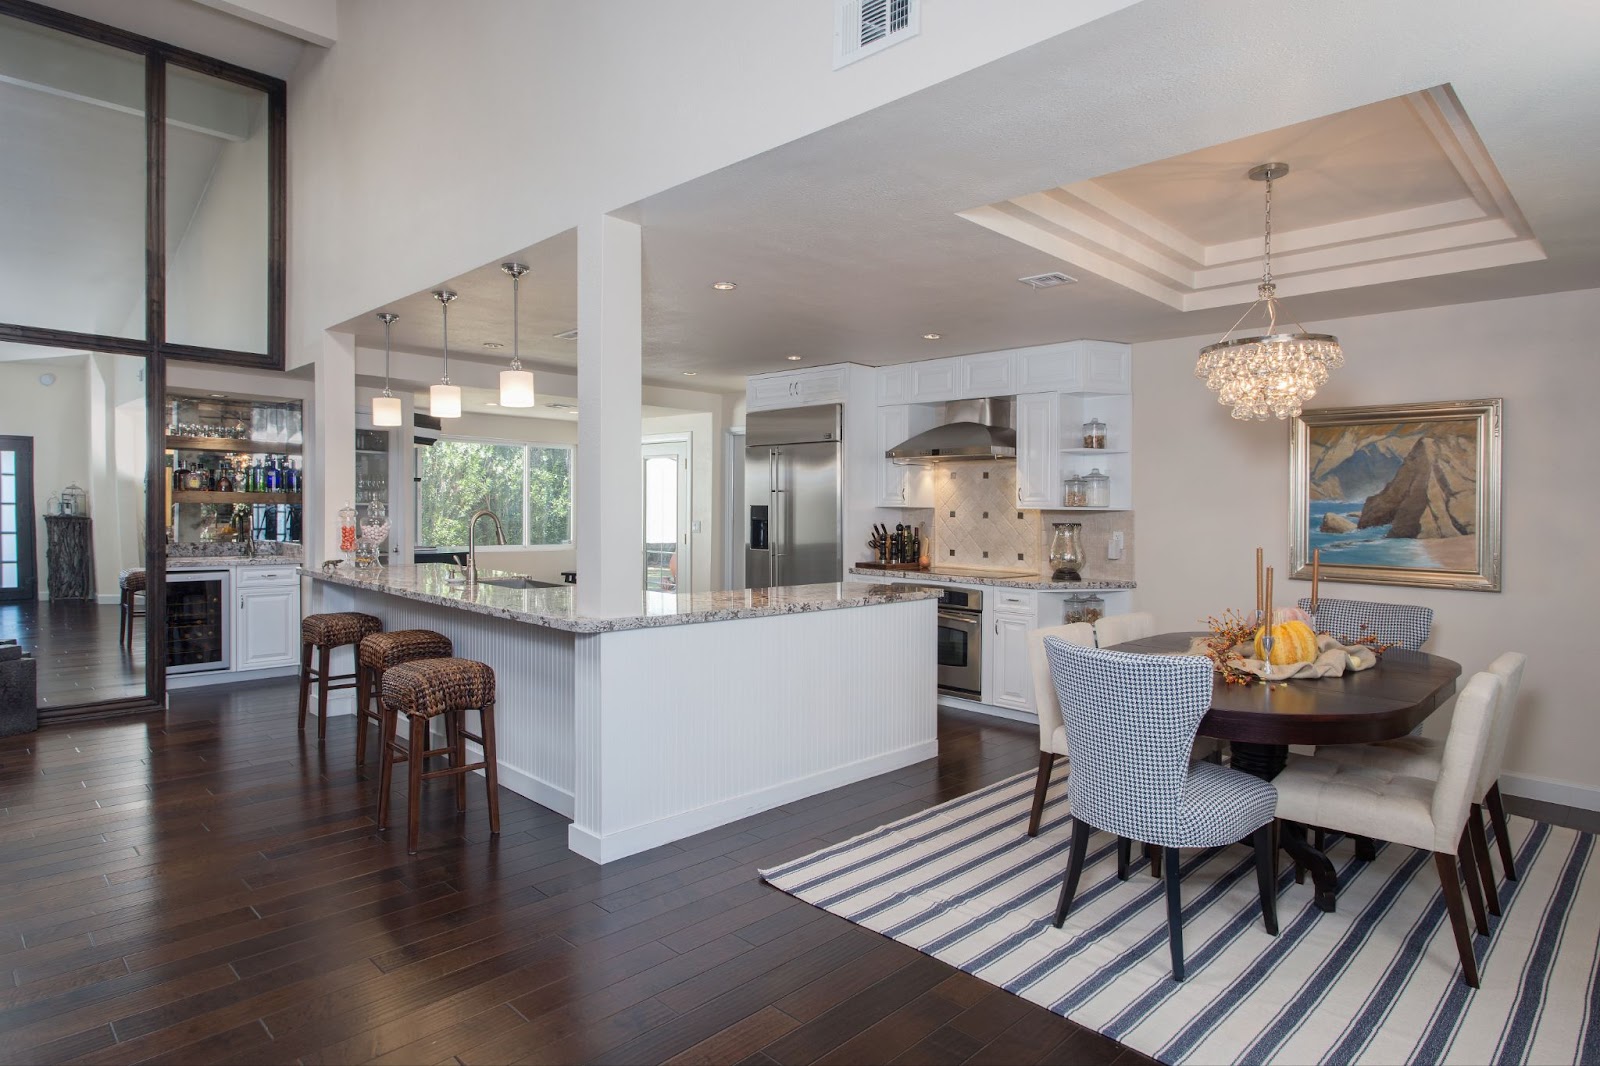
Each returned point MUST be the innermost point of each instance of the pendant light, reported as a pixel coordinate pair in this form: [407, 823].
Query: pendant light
[444, 399]
[1273, 373]
[386, 408]
[516, 384]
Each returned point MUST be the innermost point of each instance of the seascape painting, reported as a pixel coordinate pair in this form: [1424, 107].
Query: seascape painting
[1399, 495]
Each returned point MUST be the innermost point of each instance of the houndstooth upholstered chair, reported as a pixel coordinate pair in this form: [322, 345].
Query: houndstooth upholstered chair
[1130, 721]
[1402, 624]
[1427, 814]
[1422, 757]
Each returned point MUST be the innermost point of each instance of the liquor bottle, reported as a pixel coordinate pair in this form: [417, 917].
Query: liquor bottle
[291, 478]
[274, 475]
[225, 477]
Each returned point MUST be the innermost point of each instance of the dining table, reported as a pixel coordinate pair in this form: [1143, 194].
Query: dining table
[1261, 720]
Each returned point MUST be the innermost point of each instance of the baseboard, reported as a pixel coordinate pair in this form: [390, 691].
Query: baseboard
[1566, 793]
[530, 787]
[631, 841]
[231, 677]
[989, 709]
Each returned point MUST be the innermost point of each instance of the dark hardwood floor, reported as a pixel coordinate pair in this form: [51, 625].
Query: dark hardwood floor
[80, 658]
[208, 886]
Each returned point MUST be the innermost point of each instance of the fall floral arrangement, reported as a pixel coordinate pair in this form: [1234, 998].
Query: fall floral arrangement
[1229, 633]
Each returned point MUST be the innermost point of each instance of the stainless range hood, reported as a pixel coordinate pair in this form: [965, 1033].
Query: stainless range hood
[973, 431]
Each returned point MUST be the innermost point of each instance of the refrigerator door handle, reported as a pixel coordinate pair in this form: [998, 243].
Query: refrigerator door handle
[780, 536]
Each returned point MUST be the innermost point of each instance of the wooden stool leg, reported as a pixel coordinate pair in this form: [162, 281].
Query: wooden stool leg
[386, 741]
[458, 755]
[124, 622]
[491, 766]
[305, 682]
[419, 744]
[363, 696]
[323, 654]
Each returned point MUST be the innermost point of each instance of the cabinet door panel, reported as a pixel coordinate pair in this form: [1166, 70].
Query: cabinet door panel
[934, 381]
[894, 426]
[1012, 673]
[1039, 450]
[988, 375]
[269, 627]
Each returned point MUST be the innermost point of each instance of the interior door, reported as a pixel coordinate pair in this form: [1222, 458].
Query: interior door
[19, 571]
[808, 514]
[667, 563]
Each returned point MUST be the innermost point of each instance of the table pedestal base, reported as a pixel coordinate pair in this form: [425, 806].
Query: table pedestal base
[1266, 761]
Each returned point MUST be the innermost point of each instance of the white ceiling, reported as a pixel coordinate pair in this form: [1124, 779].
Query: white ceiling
[199, 28]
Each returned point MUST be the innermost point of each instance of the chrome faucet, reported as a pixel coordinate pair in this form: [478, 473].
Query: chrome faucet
[472, 541]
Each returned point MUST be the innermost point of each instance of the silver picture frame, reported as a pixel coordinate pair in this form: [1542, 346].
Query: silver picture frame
[1319, 436]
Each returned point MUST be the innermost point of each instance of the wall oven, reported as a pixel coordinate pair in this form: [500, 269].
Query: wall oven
[199, 630]
[960, 642]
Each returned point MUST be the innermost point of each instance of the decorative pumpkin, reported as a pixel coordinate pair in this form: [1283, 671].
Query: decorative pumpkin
[1292, 642]
[1289, 614]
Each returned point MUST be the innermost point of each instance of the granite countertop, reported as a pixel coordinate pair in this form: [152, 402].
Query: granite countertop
[555, 607]
[1001, 578]
[214, 562]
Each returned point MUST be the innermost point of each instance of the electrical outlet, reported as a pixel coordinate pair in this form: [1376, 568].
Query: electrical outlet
[1114, 545]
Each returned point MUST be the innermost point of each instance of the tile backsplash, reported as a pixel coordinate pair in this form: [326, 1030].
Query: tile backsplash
[976, 522]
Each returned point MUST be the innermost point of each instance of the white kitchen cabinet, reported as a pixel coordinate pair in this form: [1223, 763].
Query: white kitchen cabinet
[1038, 450]
[894, 384]
[796, 388]
[902, 486]
[1011, 673]
[935, 380]
[990, 374]
[266, 630]
[1077, 366]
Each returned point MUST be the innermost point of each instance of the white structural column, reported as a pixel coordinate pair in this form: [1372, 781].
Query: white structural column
[610, 510]
[330, 447]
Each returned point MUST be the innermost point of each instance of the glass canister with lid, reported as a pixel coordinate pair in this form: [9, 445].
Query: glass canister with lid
[1094, 433]
[1073, 491]
[1097, 489]
[1083, 608]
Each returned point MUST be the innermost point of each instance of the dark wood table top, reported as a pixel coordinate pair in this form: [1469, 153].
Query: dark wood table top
[1382, 703]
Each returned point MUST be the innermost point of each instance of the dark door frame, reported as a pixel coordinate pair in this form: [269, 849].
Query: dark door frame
[27, 540]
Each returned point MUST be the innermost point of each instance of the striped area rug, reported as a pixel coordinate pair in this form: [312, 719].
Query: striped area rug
[1377, 982]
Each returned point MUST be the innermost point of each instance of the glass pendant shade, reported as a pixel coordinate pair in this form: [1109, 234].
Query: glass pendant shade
[386, 411]
[516, 388]
[1275, 373]
[444, 401]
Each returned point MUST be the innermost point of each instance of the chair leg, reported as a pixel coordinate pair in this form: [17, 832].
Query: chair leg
[1124, 857]
[363, 697]
[124, 622]
[1266, 876]
[1319, 839]
[386, 741]
[1041, 785]
[419, 744]
[1153, 853]
[1480, 855]
[1366, 849]
[324, 653]
[491, 765]
[1174, 912]
[1502, 836]
[305, 682]
[1450, 881]
[1069, 884]
[1474, 892]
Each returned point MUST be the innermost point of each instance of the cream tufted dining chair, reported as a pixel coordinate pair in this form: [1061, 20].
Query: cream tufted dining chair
[1121, 628]
[1052, 734]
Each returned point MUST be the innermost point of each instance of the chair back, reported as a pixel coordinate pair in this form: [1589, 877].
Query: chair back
[1131, 722]
[1404, 625]
[1462, 759]
[1044, 687]
[1116, 629]
[1508, 668]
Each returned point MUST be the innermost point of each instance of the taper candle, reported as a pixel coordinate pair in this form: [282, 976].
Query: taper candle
[1268, 616]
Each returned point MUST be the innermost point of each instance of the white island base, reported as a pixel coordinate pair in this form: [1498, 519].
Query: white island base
[665, 725]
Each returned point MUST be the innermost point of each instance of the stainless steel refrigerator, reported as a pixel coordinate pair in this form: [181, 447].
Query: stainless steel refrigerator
[791, 497]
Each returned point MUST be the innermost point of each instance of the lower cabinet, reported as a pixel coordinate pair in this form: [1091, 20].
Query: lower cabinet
[266, 631]
[1011, 673]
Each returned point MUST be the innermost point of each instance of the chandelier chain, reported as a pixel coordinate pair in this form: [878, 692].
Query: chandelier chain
[1266, 260]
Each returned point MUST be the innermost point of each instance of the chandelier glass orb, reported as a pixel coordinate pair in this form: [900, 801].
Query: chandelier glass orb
[1276, 372]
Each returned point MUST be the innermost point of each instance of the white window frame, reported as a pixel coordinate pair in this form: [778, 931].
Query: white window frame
[572, 494]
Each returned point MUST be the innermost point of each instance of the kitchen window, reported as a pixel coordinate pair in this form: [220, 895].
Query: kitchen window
[529, 486]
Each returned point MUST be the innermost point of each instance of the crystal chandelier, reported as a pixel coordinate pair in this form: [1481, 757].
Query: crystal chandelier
[1272, 373]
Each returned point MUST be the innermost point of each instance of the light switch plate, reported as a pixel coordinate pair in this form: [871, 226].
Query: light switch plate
[1114, 545]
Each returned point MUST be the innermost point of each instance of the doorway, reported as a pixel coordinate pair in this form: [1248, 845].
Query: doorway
[19, 568]
[667, 563]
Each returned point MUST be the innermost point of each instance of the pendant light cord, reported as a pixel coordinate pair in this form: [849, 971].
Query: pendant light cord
[516, 330]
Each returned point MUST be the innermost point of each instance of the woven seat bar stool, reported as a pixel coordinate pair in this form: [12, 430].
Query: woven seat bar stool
[131, 583]
[422, 691]
[376, 654]
[323, 633]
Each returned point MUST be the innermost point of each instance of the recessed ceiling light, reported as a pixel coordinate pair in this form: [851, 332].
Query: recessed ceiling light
[218, 395]
[792, 358]
[491, 404]
[493, 344]
[690, 373]
[724, 286]
[931, 336]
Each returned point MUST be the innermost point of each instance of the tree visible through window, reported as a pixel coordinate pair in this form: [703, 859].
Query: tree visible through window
[528, 486]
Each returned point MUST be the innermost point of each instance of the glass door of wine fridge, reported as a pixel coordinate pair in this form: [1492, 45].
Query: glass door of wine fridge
[372, 478]
[199, 633]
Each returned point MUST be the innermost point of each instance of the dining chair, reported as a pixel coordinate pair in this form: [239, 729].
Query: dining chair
[1415, 756]
[1052, 735]
[1403, 624]
[1430, 814]
[1114, 629]
[1130, 721]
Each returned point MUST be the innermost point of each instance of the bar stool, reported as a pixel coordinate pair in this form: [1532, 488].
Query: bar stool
[326, 632]
[377, 653]
[422, 691]
[131, 583]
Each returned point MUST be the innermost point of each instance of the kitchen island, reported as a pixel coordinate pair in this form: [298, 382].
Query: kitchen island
[698, 710]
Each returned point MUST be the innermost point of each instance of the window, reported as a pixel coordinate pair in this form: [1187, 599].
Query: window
[529, 486]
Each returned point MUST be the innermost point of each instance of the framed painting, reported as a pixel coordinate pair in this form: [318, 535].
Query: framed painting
[1400, 494]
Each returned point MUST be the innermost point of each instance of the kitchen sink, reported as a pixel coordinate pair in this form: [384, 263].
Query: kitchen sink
[519, 583]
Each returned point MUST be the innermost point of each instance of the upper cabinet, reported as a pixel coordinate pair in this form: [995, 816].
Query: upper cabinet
[797, 388]
[1089, 368]
[1077, 366]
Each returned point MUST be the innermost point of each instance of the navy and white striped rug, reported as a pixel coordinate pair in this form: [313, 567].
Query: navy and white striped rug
[1377, 982]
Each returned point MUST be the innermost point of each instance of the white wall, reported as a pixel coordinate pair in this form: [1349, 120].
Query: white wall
[54, 417]
[1210, 490]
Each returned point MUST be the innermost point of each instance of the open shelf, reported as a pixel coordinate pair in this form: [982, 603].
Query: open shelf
[230, 444]
[202, 496]
[1094, 451]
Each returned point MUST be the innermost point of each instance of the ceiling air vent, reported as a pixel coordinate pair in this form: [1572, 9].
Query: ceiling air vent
[866, 27]
[1048, 281]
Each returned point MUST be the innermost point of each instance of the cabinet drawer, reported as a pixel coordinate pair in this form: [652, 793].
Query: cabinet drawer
[1019, 602]
[265, 575]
